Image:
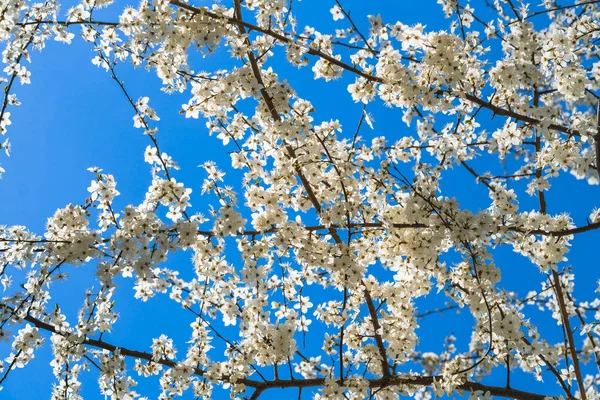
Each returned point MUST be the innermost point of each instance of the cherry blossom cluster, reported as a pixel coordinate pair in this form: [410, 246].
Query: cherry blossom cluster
[314, 272]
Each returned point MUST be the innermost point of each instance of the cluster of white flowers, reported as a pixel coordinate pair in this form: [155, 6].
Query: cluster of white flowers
[68, 232]
[320, 276]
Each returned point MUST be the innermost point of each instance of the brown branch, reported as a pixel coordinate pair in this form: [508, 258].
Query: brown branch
[398, 381]
[378, 339]
[10, 367]
[597, 139]
[67, 23]
[33, 241]
[565, 319]
[355, 28]
[102, 344]
[243, 24]
[589, 335]
[368, 225]
[13, 77]
[557, 285]
[538, 147]
[553, 370]
[557, 8]
[524, 118]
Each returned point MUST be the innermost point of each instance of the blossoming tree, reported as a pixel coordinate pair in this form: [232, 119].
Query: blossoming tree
[335, 234]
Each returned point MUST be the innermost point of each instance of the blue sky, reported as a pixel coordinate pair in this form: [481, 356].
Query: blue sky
[73, 116]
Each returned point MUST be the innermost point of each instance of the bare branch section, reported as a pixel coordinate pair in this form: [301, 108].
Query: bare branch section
[407, 381]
